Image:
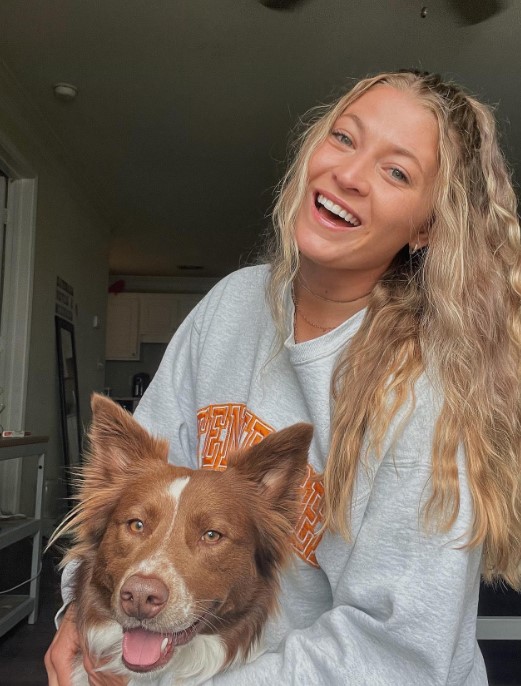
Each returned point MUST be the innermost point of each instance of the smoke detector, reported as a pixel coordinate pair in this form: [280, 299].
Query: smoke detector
[65, 91]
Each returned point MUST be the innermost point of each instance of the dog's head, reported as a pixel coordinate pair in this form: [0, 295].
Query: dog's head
[174, 552]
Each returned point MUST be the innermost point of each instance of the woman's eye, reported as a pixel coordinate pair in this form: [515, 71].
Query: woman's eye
[211, 536]
[342, 138]
[135, 525]
[399, 175]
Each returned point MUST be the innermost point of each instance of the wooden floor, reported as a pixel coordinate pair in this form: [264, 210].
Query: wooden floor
[22, 649]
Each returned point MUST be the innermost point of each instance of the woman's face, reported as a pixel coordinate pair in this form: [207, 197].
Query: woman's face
[370, 184]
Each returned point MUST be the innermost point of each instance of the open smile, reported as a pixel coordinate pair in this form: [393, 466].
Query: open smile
[334, 215]
[145, 651]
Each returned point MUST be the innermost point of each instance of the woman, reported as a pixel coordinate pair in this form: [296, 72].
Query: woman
[392, 324]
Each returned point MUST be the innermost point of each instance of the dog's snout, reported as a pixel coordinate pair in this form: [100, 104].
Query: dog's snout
[143, 597]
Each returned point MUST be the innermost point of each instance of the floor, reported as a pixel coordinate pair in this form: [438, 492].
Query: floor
[22, 648]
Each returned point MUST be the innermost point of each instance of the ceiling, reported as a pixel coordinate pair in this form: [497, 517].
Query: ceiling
[184, 107]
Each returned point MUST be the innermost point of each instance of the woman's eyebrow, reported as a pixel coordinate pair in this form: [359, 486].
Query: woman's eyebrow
[404, 152]
[355, 118]
[397, 149]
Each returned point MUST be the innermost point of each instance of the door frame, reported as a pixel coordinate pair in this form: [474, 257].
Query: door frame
[15, 331]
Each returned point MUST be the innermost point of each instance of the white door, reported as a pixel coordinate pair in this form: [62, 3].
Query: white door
[3, 226]
[17, 230]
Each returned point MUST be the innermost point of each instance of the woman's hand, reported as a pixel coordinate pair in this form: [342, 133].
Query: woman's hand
[59, 658]
[63, 651]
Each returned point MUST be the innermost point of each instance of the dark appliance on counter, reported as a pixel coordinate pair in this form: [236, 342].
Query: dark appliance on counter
[140, 384]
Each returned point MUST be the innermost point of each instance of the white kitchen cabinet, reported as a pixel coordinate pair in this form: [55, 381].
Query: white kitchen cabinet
[160, 314]
[159, 317]
[135, 318]
[14, 607]
[122, 341]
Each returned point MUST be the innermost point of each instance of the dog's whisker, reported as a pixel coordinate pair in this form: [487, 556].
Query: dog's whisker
[214, 621]
[207, 623]
[209, 613]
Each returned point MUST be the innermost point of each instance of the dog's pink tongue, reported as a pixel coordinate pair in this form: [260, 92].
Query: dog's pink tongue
[142, 647]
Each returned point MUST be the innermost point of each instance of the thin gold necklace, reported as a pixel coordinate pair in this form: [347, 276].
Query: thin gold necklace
[298, 311]
[325, 329]
[329, 300]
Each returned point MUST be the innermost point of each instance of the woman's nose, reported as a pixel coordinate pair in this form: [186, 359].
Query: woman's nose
[353, 175]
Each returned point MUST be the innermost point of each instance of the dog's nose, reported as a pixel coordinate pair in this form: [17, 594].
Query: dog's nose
[143, 597]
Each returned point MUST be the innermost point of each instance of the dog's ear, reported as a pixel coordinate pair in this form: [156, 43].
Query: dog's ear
[277, 464]
[118, 447]
[117, 441]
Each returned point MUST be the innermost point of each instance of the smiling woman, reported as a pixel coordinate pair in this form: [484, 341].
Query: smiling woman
[387, 317]
[377, 167]
[449, 309]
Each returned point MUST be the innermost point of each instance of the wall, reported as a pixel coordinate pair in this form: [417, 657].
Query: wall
[72, 241]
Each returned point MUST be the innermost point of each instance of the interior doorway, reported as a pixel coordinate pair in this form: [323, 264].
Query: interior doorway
[17, 231]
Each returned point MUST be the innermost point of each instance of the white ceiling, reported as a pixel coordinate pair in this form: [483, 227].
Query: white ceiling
[181, 123]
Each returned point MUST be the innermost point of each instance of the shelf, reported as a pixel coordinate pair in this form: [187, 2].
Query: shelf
[22, 447]
[499, 628]
[14, 608]
[13, 530]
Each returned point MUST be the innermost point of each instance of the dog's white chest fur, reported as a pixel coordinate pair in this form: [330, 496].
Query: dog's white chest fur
[192, 663]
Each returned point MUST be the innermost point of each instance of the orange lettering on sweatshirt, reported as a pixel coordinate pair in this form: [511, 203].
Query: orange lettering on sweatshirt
[231, 426]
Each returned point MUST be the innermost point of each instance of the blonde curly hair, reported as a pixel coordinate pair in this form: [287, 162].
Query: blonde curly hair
[454, 310]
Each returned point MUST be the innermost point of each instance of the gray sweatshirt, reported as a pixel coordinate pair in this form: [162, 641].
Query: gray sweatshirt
[397, 606]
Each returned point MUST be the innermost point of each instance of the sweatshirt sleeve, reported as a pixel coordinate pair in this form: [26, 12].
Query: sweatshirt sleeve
[404, 600]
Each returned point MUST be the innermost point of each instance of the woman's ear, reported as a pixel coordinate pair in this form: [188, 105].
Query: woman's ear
[421, 237]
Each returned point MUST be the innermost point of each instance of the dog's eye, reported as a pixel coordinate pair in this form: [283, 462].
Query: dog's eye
[135, 525]
[211, 536]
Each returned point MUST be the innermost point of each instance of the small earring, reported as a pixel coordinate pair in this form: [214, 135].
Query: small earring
[413, 251]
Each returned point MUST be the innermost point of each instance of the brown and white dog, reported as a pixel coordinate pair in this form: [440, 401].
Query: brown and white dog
[179, 568]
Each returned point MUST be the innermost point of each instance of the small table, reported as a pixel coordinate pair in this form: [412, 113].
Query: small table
[13, 608]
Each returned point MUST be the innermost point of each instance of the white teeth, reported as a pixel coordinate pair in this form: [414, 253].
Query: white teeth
[164, 644]
[339, 211]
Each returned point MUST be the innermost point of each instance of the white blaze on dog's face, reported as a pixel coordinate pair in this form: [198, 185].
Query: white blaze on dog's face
[187, 552]
[192, 534]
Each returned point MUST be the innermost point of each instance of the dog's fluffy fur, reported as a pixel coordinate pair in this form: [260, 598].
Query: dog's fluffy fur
[185, 561]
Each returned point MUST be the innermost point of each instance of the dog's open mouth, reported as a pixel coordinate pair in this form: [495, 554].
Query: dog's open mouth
[144, 651]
